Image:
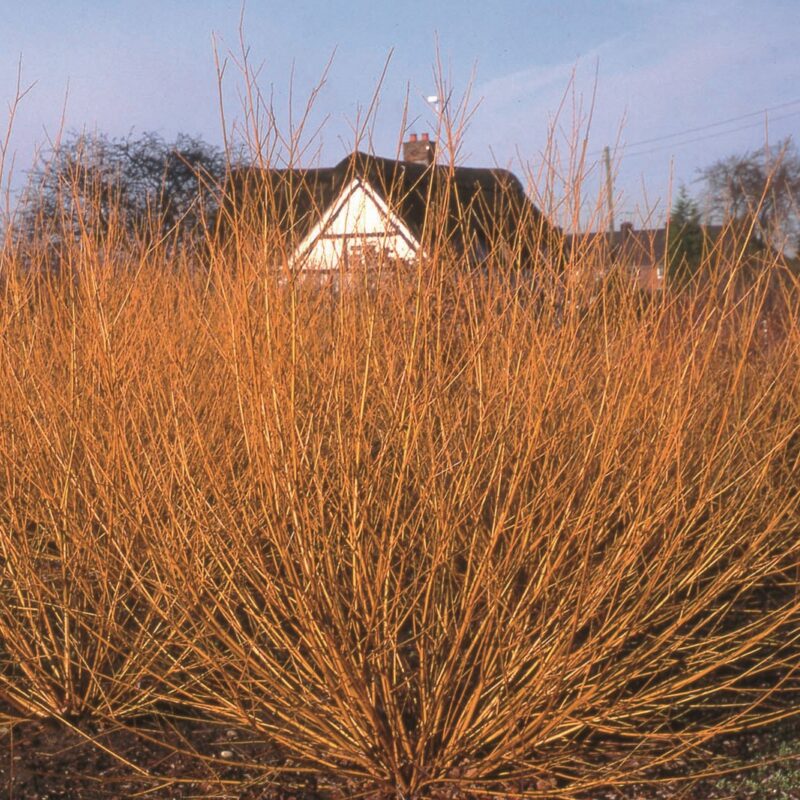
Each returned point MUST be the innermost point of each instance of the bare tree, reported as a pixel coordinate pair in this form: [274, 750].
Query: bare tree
[146, 185]
[758, 189]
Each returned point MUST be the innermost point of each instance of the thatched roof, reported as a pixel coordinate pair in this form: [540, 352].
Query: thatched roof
[465, 205]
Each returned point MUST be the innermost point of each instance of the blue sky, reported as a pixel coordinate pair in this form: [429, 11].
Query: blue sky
[653, 67]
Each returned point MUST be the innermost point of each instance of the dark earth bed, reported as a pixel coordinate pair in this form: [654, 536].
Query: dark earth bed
[190, 758]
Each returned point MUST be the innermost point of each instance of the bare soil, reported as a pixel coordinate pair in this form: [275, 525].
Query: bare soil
[182, 758]
[153, 758]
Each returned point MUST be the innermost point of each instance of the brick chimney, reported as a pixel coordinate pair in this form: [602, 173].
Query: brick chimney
[419, 150]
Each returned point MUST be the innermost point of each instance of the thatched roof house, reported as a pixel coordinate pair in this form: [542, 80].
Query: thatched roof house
[368, 208]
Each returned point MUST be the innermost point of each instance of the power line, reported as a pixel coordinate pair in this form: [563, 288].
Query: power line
[708, 136]
[708, 126]
[699, 128]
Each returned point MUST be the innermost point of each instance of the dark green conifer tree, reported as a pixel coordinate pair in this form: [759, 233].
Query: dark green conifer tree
[686, 240]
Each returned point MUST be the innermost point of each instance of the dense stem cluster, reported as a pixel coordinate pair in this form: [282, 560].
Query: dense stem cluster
[428, 530]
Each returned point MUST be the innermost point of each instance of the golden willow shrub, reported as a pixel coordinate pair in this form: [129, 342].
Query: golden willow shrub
[445, 532]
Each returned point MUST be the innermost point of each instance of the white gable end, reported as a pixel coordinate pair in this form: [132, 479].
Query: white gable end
[356, 230]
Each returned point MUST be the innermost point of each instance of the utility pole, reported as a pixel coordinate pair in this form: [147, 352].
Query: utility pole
[609, 188]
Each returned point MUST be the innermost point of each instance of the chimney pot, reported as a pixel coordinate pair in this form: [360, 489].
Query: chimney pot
[419, 150]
